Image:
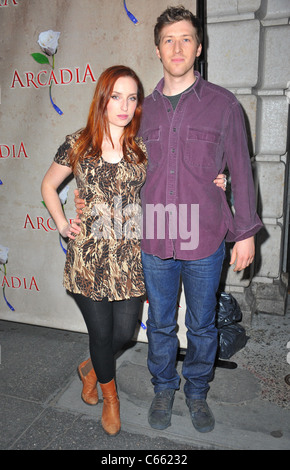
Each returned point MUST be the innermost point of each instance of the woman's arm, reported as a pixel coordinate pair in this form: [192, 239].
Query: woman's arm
[53, 178]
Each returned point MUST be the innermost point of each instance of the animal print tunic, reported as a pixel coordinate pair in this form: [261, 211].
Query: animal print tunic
[104, 260]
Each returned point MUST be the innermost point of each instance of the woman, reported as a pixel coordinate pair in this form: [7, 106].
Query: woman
[103, 264]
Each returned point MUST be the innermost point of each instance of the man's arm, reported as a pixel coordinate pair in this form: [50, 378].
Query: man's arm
[246, 220]
[220, 181]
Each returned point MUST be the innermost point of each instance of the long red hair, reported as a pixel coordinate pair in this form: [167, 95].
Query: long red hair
[91, 137]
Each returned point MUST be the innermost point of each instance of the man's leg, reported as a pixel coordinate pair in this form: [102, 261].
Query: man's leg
[201, 280]
[162, 278]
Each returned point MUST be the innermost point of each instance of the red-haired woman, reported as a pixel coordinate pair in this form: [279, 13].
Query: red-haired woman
[103, 265]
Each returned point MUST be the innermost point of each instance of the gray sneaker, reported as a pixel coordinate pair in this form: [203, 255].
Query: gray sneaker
[201, 415]
[159, 415]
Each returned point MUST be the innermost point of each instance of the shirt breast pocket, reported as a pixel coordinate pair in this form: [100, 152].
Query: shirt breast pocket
[201, 148]
[152, 140]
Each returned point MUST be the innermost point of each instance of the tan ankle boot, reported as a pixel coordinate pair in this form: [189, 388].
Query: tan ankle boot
[111, 408]
[89, 379]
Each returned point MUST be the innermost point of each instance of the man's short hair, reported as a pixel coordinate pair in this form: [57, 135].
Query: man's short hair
[173, 15]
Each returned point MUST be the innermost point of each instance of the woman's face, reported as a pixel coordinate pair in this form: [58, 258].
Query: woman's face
[123, 102]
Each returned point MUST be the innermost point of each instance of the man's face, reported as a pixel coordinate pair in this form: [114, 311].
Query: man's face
[178, 49]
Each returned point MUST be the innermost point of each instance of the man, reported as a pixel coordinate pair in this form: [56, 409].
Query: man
[191, 129]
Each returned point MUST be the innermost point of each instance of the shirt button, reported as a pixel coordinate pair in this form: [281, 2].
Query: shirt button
[172, 172]
[173, 150]
[170, 192]
[174, 129]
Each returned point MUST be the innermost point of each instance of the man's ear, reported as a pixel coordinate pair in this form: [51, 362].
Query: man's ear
[158, 53]
[198, 51]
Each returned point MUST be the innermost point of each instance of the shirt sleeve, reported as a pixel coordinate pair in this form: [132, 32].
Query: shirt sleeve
[62, 154]
[140, 143]
[246, 220]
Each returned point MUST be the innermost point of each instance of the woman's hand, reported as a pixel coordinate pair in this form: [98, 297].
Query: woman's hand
[221, 181]
[71, 230]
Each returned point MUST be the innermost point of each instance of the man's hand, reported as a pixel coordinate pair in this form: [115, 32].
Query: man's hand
[79, 203]
[243, 254]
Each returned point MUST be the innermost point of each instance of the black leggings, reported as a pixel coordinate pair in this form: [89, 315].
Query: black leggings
[110, 326]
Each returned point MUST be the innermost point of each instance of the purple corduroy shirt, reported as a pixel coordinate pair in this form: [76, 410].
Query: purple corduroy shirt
[185, 215]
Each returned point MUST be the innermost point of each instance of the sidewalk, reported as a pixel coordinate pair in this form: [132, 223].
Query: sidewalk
[41, 408]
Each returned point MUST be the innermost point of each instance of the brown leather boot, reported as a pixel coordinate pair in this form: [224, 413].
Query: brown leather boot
[111, 409]
[89, 379]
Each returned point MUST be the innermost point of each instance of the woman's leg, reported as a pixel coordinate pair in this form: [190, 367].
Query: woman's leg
[125, 317]
[110, 326]
[98, 317]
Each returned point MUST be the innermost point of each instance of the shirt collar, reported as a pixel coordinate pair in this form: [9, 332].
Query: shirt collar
[197, 87]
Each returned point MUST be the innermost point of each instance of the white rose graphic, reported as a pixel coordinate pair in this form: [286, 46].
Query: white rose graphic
[63, 194]
[3, 260]
[48, 41]
[3, 254]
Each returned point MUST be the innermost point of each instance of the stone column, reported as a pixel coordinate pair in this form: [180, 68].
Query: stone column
[248, 53]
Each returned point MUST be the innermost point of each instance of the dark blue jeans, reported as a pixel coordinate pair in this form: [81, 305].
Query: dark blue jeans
[200, 280]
